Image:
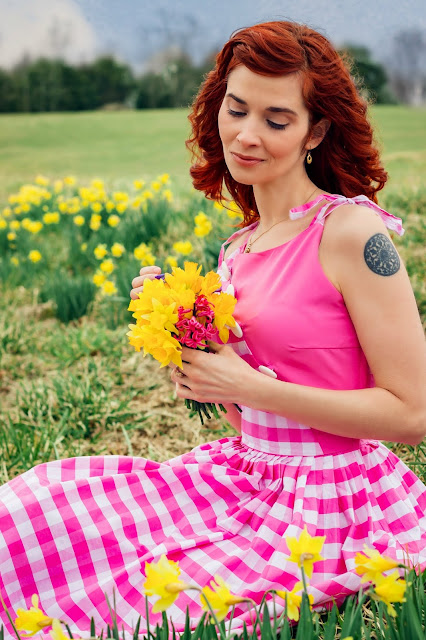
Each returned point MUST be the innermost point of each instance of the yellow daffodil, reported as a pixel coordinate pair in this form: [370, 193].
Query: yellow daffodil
[11, 236]
[160, 344]
[58, 186]
[182, 247]
[305, 550]
[34, 255]
[390, 589]
[370, 563]
[17, 210]
[99, 278]
[3, 224]
[171, 261]
[138, 184]
[113, 220]
[42, 181]
[63, 207]
[26, 207]
[14, 224]
[96, 207]
[143, 253]
[163, 317]
[107, 266]
[121, 207]
[7, 212]
[32, 620]
[70, 180]
[100, 251]
[83, 246]
[110, 206]
[108, 288]
[117, 250]
[120, 196]
[167, 195]
[97, 183]
[56, 632]
[187, 278]
[218, 206]
[51, 218]
[156, 185]
[233, 210]
[79, 220]
[164, 178]
[34, 226]
[219, 598]
[162, 579]
[210, 284]
[15, 261]
[224, 305]
[147, 195]
[95, 221]
[294, 600]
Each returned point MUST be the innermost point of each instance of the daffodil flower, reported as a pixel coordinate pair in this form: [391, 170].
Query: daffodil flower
[390, 589]
[294, 600]
[219, 598]
[32, 620]
[162, 580]
[305, 550]
[370, 564]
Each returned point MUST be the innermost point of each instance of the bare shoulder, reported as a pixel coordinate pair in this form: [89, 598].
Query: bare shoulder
[355, 236]
[351, 224]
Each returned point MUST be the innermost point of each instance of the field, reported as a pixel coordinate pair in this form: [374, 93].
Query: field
[123, 146]
[70, 384]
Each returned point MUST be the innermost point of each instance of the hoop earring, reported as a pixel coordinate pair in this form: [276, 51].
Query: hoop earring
[309, 158]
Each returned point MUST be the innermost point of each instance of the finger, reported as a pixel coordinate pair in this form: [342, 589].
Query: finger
[214, 347]
[154, 269]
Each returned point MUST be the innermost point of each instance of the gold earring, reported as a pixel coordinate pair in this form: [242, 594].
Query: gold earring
[309, 158]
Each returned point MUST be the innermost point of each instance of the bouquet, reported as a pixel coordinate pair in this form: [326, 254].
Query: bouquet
[182, 308]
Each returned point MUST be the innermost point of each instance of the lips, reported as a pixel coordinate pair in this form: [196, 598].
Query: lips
[246, 161]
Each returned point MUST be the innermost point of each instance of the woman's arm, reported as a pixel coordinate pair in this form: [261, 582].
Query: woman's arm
[386, 319]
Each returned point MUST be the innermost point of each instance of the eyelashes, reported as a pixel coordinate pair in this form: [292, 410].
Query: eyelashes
[273, 125]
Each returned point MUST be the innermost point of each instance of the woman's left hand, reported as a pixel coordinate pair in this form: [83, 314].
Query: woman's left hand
[220, 376]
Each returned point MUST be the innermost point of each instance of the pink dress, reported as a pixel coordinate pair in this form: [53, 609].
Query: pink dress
[73, 529]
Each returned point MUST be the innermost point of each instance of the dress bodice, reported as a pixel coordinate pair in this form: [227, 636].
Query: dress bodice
[296, 327]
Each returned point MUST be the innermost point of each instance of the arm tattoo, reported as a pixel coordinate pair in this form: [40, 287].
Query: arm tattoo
[381, 256]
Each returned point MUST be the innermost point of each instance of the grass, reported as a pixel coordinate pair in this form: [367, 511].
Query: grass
[124, 145]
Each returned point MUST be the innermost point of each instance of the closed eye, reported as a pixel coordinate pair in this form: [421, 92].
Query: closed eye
[273, 125]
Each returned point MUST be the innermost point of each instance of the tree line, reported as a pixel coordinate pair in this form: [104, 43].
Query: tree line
[45, 85]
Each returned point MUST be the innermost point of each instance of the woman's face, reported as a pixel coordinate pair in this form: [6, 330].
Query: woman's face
[264, 118]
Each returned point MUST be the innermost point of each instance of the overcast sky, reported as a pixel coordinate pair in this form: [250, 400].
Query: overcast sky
[135, 29]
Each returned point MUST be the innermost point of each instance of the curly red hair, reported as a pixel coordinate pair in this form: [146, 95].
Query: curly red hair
[346, 161]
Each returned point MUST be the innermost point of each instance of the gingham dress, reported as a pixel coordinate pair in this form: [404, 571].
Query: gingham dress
[73, 529]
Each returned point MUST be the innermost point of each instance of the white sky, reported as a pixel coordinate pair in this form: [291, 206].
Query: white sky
[134, 29]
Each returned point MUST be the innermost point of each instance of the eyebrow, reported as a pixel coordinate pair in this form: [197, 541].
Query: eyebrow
[272, 109]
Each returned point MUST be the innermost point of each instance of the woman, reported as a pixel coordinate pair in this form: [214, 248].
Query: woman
[328, 360]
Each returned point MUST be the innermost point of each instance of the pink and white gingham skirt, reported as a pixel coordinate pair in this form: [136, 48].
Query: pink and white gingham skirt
[73, 529]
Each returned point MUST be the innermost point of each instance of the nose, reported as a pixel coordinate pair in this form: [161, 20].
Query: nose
[248, 136]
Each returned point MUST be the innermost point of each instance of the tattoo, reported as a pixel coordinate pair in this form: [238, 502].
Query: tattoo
[381, 256]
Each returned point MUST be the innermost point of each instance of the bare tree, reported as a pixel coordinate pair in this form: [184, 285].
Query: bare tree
[407, 66]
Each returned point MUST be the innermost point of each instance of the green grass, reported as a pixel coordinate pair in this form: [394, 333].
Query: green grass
[121, 146]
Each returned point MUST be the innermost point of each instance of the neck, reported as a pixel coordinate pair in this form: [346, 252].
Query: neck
[274, 203]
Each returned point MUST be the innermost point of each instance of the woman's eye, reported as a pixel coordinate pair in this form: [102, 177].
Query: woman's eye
[274, 125]
[236, 113]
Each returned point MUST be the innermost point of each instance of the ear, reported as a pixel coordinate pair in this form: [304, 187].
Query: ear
[318, 133]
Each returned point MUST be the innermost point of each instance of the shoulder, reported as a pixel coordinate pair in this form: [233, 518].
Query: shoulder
[355, 237]
[350, 227]
[236, 240]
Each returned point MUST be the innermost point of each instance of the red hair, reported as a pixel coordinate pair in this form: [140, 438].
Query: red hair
[346, 162]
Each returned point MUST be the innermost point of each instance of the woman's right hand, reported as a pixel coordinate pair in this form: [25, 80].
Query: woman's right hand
[144, 273]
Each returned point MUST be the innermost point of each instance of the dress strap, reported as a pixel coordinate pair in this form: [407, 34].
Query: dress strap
[231, 238]
[333, 201]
